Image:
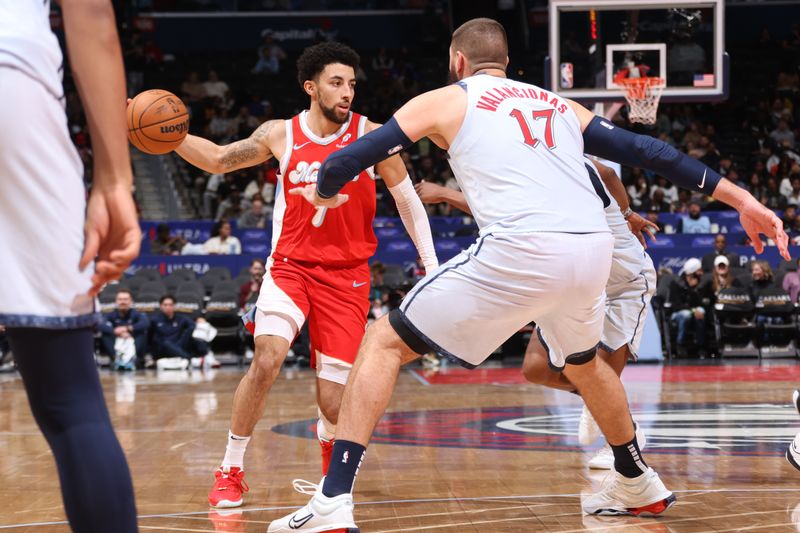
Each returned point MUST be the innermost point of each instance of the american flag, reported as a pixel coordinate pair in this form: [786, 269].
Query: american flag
[703, 80]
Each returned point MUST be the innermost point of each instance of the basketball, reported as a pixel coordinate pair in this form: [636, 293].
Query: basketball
[157, 121]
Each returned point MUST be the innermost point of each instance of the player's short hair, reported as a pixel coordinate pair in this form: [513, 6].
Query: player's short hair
[126, 291]
[166, 297]
[315, 58]
[483, 41]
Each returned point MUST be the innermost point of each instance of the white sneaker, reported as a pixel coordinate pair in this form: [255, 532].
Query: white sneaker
[588, 430]
[210, 361]
[318, 515]
[793, 453]
[645, 494]
[604, 458]
[197, 362]
[172, 363]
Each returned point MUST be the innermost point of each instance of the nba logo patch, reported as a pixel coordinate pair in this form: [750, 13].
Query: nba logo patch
[345, 456]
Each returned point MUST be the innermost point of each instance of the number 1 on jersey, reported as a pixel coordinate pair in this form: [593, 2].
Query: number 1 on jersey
[527, 135]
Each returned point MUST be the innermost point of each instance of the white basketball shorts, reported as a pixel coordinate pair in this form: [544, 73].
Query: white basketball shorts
[42, 210]
[627, 300]
[473, 303]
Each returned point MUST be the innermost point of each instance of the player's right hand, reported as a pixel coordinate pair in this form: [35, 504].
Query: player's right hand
[309, 192]
[112, 234]
[640, 226]
[757, 219]
[429, 193]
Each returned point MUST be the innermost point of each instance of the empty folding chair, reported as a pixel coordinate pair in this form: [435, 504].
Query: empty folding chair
[190, 287]
[156, 287]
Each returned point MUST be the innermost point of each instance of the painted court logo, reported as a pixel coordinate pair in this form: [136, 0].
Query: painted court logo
[700, 428]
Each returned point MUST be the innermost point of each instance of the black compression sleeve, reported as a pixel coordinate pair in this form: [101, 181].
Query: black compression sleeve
[343, 165]
[606, 140]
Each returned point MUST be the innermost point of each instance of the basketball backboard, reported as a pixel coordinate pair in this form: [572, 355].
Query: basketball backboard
[594, 41]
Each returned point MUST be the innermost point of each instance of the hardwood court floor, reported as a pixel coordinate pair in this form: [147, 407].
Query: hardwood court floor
[460, 451]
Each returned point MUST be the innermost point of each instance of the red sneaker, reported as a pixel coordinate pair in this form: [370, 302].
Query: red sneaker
[228, 488]
[327, 451]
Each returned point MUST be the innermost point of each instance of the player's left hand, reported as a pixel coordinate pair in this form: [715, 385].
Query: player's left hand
[640, 226]
[112, 234]
[757, 219]
[309, 192]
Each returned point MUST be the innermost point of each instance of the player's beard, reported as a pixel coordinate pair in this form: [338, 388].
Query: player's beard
[332, 114]
[452, 75]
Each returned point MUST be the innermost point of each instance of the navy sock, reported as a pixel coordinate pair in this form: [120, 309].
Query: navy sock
[64, 392]
[628, 459]
[345, 460]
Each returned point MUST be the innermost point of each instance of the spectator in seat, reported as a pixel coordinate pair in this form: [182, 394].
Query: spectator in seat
[670, 191]
[223, 243]
[720, 249]
[790, 219]
[231, 207]
[783, 135]
[639, 192]
[256, 216]
[688, 313]
[244, 123]
[270, 55]
[260, 186]
[124, 322]
[794, 195]
[695, 221]
[721, 278]
[171, 336]
[216, 88]
[656, 203]
[791, 283]
[762, 278]
[166, 244]
[253, 286]
[684, 199]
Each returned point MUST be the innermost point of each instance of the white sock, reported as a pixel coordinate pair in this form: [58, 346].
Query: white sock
[234, 451]
[326, 430]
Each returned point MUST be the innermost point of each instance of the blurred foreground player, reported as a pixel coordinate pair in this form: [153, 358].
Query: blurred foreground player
[543, 255]
[50, 239]
[318, 270]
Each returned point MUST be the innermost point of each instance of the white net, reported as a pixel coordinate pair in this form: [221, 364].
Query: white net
[643, 95]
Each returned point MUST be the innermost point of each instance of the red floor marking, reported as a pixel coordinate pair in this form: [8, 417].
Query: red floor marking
[634, 373]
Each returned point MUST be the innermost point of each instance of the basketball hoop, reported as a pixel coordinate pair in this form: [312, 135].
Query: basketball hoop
[642, 95]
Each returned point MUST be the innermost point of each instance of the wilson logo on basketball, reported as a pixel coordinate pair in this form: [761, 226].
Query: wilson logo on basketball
[175, 128]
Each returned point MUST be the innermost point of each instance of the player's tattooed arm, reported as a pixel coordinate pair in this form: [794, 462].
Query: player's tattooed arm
[216, 159]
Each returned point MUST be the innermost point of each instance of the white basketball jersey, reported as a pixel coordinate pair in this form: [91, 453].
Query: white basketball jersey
[518, 158]
[28, 44]
[629, 256]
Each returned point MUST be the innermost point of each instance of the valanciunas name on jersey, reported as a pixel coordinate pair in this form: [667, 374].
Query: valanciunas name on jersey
[495, 96]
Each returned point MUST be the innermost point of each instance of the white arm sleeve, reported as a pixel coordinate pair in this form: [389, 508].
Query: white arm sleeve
[415, 220]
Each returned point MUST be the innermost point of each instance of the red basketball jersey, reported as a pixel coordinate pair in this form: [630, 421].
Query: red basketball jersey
[345, 235]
